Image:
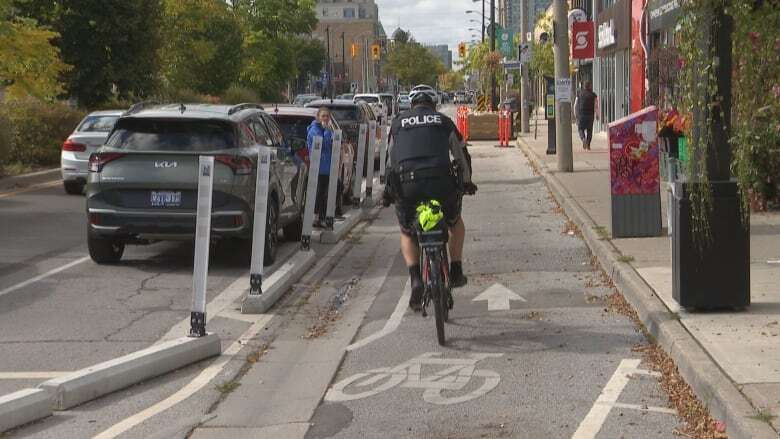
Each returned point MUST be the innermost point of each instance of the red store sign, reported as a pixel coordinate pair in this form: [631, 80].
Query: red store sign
[583, 41]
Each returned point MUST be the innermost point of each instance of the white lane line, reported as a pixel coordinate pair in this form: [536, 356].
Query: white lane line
[31, 375]
[645, 408]
[192, 387]
[42, 276]
[34, 187]
[590, 426]
[393, 322]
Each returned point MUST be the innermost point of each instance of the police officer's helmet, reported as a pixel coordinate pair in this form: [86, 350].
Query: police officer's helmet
[418, 97]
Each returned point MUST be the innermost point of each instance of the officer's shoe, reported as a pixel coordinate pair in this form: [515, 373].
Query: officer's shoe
[457, 278]
[415, 301]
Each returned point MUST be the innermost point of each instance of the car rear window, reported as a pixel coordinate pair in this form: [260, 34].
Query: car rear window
[294, 126]
[369, 99]
[102, 124]
[172, 135]
[347, 114]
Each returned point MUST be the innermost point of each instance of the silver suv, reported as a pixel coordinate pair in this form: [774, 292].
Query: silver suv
[142, 184]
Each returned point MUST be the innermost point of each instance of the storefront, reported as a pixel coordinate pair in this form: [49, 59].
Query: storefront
[663, 68]
[612, 67]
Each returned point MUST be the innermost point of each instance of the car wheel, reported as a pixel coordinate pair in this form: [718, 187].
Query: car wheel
[271, 233]
[73, 187]
[104, 250]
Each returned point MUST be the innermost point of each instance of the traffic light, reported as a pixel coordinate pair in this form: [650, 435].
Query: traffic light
[462, 50]
[353, 50]
[375, 51]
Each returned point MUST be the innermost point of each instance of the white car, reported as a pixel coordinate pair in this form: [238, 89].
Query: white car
[88, 136]
[374, 100]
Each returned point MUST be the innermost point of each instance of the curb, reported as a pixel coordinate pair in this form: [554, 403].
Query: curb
[101, 379]
[713, 387]
[6, 182]
[278, 283]
[340, 228]
[24, 406]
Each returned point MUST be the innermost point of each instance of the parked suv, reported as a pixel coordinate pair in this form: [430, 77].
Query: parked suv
[143, 183]
[88, 136]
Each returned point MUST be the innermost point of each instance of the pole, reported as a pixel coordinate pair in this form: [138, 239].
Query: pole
[483, 21]
[329, 91]
[200, 269]
[335, 165]
[344, 76]
[311, 194]
[525, 85]
[493, 103]
[258, 226]
[563, 103]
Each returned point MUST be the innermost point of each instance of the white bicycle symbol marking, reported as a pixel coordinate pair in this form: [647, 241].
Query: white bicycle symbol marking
[409, 375]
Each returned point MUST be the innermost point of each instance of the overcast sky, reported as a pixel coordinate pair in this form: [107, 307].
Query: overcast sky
[431, 21]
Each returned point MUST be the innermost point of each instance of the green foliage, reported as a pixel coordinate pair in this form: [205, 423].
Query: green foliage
[756, 106]
[413, 64]
[542, 58]
[112, 46]
[452, 81]
[29, 64]
[35, 131]
[237, 94]
[203, 46]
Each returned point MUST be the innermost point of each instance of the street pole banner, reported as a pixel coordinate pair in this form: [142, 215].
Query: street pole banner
[311, 193]
[259, 220]
[370, 159]
[583, 45]
[357, 187]
[200, 269]
[335, 166]
[383, 152]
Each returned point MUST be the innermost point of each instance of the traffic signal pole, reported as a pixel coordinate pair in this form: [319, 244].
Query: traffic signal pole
[525, 95]
[493, 103]
[563, 106]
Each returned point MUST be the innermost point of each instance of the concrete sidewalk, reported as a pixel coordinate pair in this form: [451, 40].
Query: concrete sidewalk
[743, 346]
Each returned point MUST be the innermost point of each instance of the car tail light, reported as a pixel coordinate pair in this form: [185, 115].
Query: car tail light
[98, 160]
[70, 145]
[240, 165]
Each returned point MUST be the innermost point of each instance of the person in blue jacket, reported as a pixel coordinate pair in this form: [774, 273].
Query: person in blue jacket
[321, 127]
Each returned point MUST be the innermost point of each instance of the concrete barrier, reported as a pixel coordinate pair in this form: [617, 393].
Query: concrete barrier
[101, 379]
[24, 406]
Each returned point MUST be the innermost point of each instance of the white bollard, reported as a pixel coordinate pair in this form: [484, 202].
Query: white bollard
[335, 167]
[370, 160]
[200, 269]
[383, 153]
[311, 193]
[258, 227]
[357, 186]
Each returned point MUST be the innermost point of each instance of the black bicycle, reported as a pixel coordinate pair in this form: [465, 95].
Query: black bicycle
[434, 264]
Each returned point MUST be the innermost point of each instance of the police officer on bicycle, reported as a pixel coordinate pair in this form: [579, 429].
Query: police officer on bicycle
[421, 143]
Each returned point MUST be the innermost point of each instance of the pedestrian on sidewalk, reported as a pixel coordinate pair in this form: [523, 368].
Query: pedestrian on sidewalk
[585, 112]
[321, 127]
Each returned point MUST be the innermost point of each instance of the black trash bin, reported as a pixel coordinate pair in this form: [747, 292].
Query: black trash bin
[714, 274]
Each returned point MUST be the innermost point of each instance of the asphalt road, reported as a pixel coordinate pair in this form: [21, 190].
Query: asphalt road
[340, 356]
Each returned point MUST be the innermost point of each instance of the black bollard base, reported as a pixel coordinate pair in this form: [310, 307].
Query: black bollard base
[716, 274]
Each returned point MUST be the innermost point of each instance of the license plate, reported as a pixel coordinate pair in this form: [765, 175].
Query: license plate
[165, 199]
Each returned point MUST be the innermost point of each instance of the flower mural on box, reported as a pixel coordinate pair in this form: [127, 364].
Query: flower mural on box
[633, 150]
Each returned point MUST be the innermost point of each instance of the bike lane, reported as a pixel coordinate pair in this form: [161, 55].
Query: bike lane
[532, 349]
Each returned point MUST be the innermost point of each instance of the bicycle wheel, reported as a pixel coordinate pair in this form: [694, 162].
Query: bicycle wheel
[446, 295]
[439, 299]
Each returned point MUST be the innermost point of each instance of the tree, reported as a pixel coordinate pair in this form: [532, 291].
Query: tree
[413, 64]
[29, 64]
[452, 80]
[203, 46]
[112, 46]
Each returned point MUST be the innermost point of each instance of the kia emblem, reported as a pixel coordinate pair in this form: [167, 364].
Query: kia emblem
[165, 164]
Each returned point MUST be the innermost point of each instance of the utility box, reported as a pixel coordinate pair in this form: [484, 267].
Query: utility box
[635, 175]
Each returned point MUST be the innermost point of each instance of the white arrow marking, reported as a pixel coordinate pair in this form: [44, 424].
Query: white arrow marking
[498, 297]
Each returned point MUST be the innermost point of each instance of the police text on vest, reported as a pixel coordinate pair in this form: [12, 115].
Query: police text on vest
[421, 119]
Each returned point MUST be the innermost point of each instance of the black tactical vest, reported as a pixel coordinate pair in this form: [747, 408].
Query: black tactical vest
[421, 140]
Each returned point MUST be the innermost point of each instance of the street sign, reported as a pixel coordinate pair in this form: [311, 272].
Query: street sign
[512, 65]
[583, 40]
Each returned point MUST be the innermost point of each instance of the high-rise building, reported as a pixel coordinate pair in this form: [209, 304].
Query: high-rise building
[444, 54]
[512, 12]
[351, 24]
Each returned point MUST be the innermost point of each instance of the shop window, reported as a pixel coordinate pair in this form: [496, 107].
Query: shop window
[349, 12]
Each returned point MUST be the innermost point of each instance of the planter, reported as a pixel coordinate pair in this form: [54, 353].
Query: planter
[716, 274]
